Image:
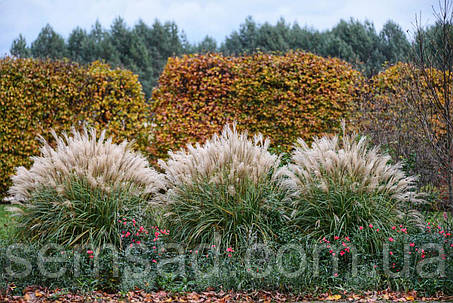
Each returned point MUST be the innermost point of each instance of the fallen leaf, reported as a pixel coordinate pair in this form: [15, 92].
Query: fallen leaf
[38, 294]
[334, 297]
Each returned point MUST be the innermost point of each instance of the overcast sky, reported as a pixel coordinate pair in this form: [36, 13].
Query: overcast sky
[199, 18]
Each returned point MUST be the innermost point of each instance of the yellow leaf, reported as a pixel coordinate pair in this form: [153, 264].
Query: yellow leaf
[38, 293]
[333, 297]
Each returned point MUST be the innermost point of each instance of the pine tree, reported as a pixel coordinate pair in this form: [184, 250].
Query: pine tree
[49, 44]
[19, 48]
[78, 46]
[99, 46]
[274, 38]
[363, 41]
[394, 44]
[207, 45]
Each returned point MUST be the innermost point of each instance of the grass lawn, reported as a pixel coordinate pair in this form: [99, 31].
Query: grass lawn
[5, 223]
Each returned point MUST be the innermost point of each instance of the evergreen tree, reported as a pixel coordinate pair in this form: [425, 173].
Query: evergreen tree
[19, 48]
[208, 45]
[78, 46]
[334, 46]
[140, 60]
[162, 41]
[49, 44]
[121, 40]
[273, 38]
[394, 44]
[244, 41]
[364, 43]
[99, 46]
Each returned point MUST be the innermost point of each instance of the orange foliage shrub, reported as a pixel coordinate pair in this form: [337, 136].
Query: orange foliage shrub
[282, 96]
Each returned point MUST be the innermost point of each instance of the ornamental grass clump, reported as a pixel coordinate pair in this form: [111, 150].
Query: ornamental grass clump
[75, 192]
[225, 190]
[343, 185]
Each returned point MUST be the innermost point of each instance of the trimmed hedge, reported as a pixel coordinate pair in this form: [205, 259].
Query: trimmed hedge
[282, 96]
[36, 96]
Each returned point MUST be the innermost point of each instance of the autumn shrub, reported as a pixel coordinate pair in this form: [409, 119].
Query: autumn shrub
[392, 122]
[75, 193]
[281, 96]
[344, 186]
[37, 95]
[226, 187]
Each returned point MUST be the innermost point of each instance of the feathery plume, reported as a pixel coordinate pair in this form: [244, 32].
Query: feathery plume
[103, 164]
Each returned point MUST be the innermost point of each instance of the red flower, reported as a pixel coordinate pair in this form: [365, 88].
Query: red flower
[371, 225]
[336, 237]
[391, 239]
[89, 252]
[393, 227]
[411, 244]
[360, 227]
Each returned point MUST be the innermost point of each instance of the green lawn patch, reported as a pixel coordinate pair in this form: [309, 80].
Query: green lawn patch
[6, 223]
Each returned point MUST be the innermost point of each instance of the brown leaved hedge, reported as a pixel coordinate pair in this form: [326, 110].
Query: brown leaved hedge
[284, 97]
